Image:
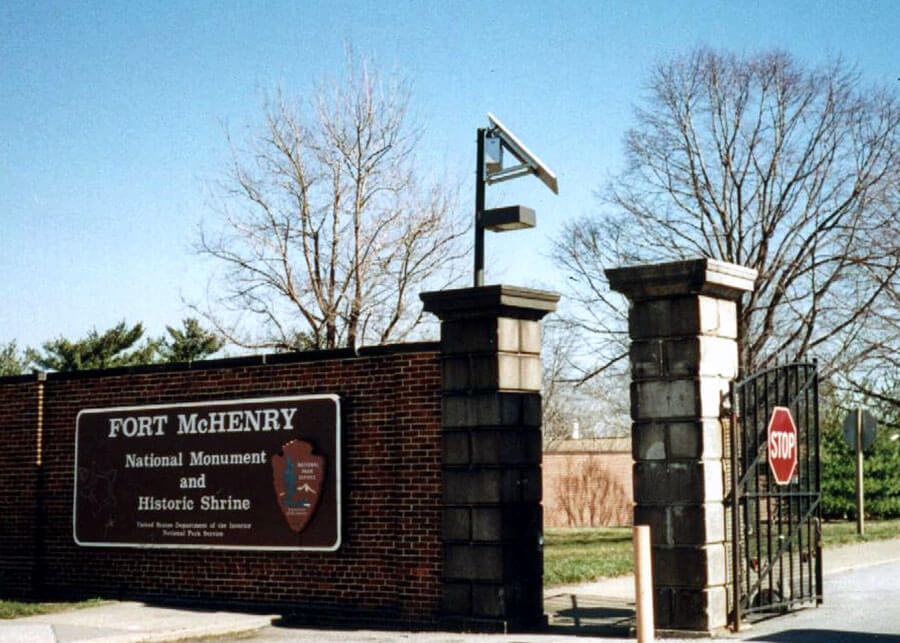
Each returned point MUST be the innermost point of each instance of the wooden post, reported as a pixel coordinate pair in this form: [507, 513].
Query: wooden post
[643, 584]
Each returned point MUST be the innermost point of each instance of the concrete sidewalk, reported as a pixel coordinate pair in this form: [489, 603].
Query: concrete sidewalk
[132, 622]
[129, 622]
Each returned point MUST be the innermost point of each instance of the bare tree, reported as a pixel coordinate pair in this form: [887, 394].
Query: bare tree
[760, 161]
[596, 407]
[590, 495]
[327, 231]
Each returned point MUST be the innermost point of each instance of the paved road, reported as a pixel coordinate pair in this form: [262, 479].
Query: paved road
[861, 606]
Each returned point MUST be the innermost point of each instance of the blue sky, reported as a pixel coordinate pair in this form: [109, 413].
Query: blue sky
[112, 119]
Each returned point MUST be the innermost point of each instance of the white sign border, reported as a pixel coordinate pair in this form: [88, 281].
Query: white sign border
[289, 398]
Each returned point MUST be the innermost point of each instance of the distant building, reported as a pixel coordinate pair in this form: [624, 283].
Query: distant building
[587, 483]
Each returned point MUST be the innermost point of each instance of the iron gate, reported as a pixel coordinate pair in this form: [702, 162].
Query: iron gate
[776, 560]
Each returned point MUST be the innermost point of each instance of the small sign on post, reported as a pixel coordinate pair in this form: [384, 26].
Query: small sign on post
[859, 431]
[782, 445]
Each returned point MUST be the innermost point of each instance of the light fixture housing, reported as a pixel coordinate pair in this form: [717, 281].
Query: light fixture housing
[511, 217]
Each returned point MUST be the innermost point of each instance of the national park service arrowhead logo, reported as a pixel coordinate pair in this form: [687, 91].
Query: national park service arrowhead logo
[298, 477]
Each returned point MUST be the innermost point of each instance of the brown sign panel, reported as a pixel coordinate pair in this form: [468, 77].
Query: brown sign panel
[261, 473]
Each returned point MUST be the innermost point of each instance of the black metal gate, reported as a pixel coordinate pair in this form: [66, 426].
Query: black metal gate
[776, 561]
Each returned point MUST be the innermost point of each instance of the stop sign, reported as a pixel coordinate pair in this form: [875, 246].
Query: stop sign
[782, 441]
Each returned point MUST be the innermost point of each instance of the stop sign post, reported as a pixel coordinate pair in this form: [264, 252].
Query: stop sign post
[782, 445]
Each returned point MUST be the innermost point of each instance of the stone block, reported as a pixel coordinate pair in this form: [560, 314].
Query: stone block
[713, 393]
[521, 485]
[529, 336]
[488, 601]
[508, 374]
[456, 598]
[524, 524]
[455, 374]
[655, 400]
[534, 446]
[531, 409]
[510, 407]
[648, 441]
[503, 408]
[718, 357]
[520, 446]
[455, 447]
[468, 335]
[455, 411]
[456, 523]
[697, 524]
[531, 376]
[685, 440]
[657, 518]
[681, 357]
[665, 483]
[695, 440]
[508, 334]
[487, 524]
[647, 359]
[663, 606]
[471, 487]
[513, 447]
[668, 317]
[703, 609]
[694, 566]
[473, 562]
[482, 373]
[649, 319]
[718, 317]
[486, 447]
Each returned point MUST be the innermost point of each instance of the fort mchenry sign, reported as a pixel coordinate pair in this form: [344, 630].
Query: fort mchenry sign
[258, 473]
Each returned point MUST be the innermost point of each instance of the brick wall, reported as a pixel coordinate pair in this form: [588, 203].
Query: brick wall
[18, 484]
[587, 489]
[390, 559]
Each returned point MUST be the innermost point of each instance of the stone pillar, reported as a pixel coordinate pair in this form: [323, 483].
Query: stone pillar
[491, 469]
[684, 353]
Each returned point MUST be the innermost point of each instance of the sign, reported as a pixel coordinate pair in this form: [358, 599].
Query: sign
[782, 445]
[869, 425]
[260, 473]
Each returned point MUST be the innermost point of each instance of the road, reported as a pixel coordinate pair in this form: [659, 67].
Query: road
[861, 606]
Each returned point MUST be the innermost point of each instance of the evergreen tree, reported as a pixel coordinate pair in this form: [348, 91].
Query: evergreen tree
[11, 363]
[114, 347]
[881, 467]
[190, 344]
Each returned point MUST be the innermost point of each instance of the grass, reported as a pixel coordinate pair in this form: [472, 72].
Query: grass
[16, 609]
[582, 555]
[578, 555]
[844, 533]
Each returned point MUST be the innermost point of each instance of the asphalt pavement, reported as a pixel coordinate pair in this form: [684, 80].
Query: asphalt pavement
[862, 605]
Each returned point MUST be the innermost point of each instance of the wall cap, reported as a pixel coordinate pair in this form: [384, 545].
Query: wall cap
[271, 359]
[490, 301]
[692, 277]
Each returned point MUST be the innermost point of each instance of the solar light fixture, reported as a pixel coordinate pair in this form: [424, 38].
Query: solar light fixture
[529, 163]
[493, 141]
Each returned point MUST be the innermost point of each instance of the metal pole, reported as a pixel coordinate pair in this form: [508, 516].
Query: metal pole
[479, 210]
[643, 584]
[860, 503]
[735, 516]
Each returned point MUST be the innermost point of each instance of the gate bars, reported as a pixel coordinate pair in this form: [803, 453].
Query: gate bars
[776, 560]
